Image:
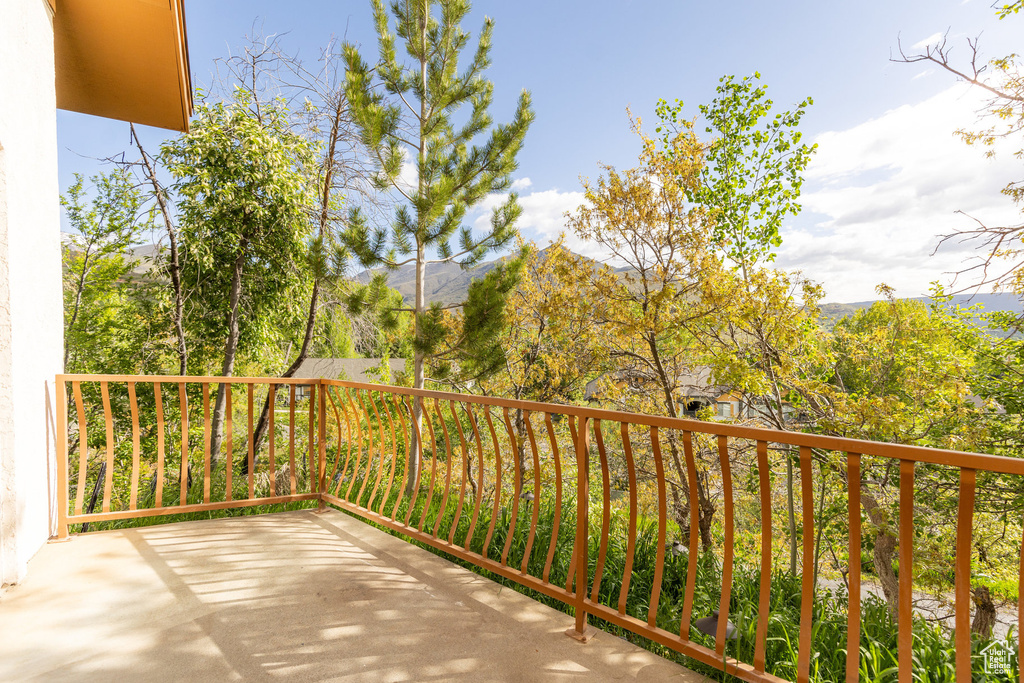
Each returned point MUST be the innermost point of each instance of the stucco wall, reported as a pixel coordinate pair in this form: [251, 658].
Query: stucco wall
[31, 317]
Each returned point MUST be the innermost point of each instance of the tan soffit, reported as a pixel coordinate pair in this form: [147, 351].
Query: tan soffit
[124, 59]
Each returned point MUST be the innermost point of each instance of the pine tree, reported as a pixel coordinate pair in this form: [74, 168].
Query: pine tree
[415, 111]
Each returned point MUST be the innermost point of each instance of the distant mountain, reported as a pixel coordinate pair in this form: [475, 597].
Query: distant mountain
[989, 302]
[447, 283]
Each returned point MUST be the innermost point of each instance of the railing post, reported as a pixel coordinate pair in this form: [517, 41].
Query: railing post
[322, 445]
[581, 631]
[61, 444]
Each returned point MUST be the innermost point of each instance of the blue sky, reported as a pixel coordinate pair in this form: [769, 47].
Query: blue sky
[889, 174]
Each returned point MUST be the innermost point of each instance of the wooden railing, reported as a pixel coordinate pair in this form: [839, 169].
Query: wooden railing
[516, 488]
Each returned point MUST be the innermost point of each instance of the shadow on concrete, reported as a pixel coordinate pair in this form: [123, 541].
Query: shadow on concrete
[295, 595]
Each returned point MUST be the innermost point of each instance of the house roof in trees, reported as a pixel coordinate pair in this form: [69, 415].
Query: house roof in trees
[351, 369]
[695, 383]
[123, 59]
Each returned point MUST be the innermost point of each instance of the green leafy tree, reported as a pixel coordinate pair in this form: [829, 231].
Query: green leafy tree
[903, 372]
[751, 178]
[244, 194]
[642, 218]
[412, 111]
[104, 330]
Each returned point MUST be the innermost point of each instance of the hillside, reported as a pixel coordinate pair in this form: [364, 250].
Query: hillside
[989, 302]
[448, 283]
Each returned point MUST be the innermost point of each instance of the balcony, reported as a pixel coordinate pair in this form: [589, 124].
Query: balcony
[293, 595]
[580, 507]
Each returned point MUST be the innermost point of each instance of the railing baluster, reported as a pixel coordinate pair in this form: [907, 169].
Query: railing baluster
[659, 562]
[348, 444]
[159, 399]
[906, 594]
[250, 446]
[183, 472]
[465, 467]
[557, 519]
[627, 570]
[417, 436]
[229, 438]
[314, 472]
[369, 446]
[358, 444]
[292, 486]
[536, 493]
[272, 440]
[482, 476]
[853, 608]
[61, 443]
[517, 488]
[380, 451]
[206, 442]
[394, 456]
[727, 558]
[433, 466]
[571, 575]
[691, 570]
[964, 529]
[447, 469]
[136, 447]
[497, 484]
[322, 445]
[83, 446]
[405, 441]
[606, 513]
[108, 418]
[1020, 613]
[582, 447]
[337, 425]
[803, 667]
[763, 603]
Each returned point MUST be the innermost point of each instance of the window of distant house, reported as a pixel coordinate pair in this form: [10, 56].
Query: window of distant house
[725, 409]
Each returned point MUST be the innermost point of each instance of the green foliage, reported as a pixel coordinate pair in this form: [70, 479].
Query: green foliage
[113, 320]
[751, 178]
[417, 110]
[244, 195]
[905, 371]
[1009, 8]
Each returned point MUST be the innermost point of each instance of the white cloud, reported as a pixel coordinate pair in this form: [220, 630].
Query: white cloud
[520, 184]
[543, 217]
[879, 196]
[930, 41]
[408, 177]
[923, 74]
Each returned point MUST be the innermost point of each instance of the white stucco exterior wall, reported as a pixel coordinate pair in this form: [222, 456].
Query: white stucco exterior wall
[31, 316]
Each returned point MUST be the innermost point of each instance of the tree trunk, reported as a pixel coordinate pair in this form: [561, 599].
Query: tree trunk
[230, 350]
[311, 315]
[791, 513]
[520, 425]
[985, 612]
[885, 550]
[174, 267]
[420, 305]
[74, 310]
[95, 494]
[260, 432]
[415, 455]
[705, 508]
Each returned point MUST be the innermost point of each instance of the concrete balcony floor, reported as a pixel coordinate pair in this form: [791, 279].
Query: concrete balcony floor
[296, 595]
